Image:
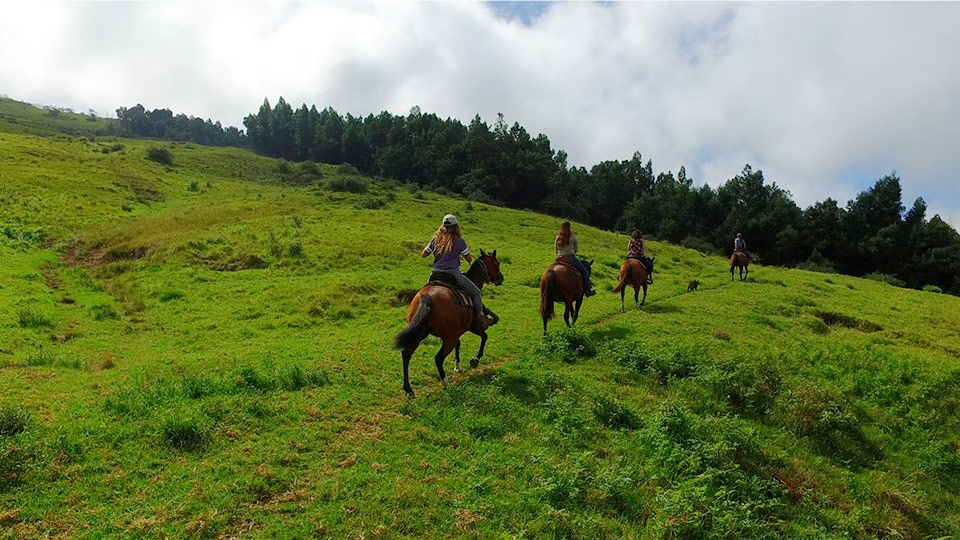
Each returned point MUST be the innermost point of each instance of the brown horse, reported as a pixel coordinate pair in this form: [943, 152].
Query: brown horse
[633, 273]
[739, 260]
[436, 310]
[561, 282]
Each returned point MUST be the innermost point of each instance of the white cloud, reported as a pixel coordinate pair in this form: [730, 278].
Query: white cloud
[825, 98]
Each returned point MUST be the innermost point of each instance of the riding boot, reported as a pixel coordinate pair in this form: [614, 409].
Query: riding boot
[493, 318]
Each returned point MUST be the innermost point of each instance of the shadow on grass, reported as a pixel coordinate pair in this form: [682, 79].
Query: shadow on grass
[661, 308]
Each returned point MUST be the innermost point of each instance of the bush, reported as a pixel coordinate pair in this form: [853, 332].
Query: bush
[933, 289]
[160, 154]
[885, 278]
[699, 244]
[347, 184]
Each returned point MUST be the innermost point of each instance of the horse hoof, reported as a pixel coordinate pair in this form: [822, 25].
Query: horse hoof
[456, 369]
[444, 381]
[474, 362]
[409, 394]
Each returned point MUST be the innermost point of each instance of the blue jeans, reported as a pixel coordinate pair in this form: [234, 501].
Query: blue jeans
[468, 287]
[587, 284]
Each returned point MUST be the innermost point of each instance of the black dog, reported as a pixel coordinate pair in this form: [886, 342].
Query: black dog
[692, 286]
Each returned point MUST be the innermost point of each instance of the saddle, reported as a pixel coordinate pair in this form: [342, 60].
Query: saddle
[443, 279]
[563, 260]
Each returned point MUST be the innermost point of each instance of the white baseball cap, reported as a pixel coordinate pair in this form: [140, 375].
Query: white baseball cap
[449, 220]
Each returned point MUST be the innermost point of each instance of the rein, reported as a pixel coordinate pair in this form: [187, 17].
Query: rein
[483, 268]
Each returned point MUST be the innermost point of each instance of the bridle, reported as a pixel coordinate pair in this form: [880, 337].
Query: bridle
[486, 273]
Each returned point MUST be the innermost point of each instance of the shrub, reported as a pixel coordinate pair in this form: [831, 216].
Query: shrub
[194, 186]
[698, 244]
[347, 184]
[933, 289]
[375, 203]
[885, 278]
[160, 154]
[347, 169]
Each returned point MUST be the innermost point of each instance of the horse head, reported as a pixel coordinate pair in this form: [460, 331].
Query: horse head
[491, 267]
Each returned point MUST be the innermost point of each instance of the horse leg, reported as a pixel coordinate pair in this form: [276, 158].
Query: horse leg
[407, 353]
[445, 348]
[456, 352]
[636, 296]
[746, 272]
[623, 291]
[644, 301]
[567, 311]
[576, 309]
[475, 361]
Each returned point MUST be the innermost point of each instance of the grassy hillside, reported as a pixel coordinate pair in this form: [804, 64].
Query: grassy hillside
[204, 350]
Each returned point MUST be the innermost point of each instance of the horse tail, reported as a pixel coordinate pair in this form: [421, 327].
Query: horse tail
[418, 327]
[546, 294]
[624, 278]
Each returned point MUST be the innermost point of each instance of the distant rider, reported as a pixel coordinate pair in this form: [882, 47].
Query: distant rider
[567, 246]
[635, 250]
[739, 245]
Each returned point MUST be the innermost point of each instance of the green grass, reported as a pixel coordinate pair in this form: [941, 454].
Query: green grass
[202, 350]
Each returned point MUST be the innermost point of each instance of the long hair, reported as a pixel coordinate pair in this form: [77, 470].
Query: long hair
[564, 235]
[444, 237]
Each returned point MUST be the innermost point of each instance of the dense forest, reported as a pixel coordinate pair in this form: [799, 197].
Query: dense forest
[874, 234]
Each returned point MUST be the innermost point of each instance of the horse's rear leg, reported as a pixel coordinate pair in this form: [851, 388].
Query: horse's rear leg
[568, 314]
[623, 293]
[407, 353]
[445, 348]
[644, 301]
[456, 352]
[576, 309]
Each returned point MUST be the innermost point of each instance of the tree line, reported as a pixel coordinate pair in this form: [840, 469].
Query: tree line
[504, 165]
[162, 124]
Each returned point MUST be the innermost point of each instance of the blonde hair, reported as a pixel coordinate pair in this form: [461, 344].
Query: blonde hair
[444, 237]
[564, 235]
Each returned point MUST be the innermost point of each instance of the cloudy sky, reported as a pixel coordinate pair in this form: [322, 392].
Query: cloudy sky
[824, 98]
